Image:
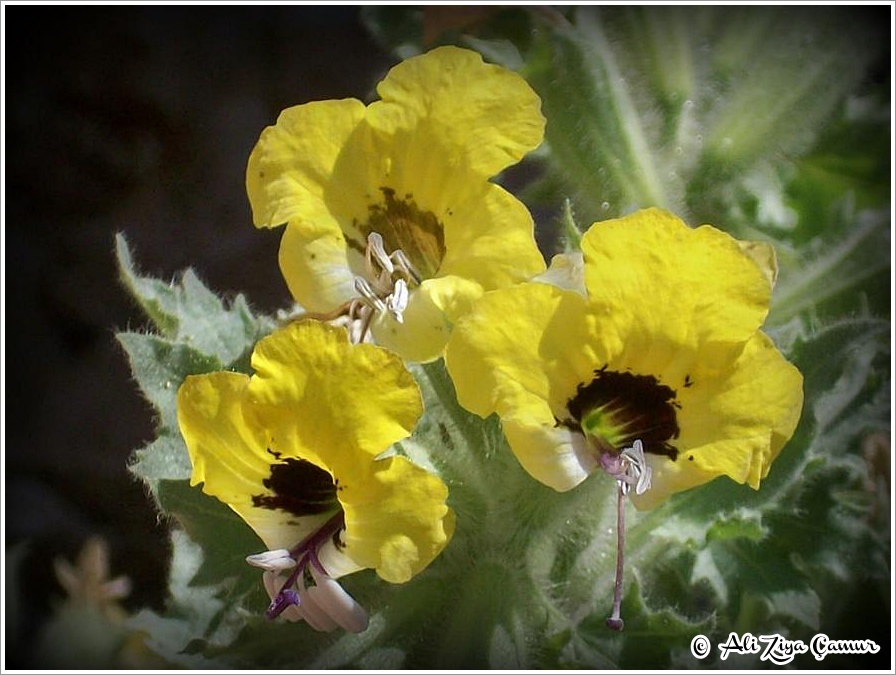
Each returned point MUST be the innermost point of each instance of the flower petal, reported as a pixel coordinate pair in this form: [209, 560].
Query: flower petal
[396, 519]
[489, 237]
[556, 456]
[315, 264]
[229, 452]
[522, 352]
[422, 335]
[734, 425]
[330, 402]
[763, 254]
[293, 161]
[695, 287]
[488, 116]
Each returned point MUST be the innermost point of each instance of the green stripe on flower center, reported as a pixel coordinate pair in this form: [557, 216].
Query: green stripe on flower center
[300, 488]
[405, 227]
[615, 409]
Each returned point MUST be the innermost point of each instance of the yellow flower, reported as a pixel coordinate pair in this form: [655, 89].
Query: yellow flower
[658, 372]
[295, 450]
[389, 208]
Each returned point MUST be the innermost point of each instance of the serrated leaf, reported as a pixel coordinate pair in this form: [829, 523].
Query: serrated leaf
[649, 640]
[156, 297]
[705, 569]
[188, 313]
[857, 367]
[831, 362]
[165, 458]
[160, 365]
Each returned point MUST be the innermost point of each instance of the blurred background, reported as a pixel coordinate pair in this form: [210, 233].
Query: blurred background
[136, 120]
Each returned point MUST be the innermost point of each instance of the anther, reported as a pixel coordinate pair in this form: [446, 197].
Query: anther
[362, 286]
[638, 468]
[397, 301]
[403, 264]
[273, 561]
[376, 249]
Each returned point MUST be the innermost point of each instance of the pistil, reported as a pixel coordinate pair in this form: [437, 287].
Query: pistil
[630, 469]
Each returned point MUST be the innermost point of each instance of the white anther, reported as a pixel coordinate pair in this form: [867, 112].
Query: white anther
[368, 295]
[403, 264]
[397, 301]
[273, 561]
[376, 249]
[637, 470]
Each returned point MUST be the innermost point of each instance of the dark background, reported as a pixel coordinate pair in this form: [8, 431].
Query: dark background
[136, 119]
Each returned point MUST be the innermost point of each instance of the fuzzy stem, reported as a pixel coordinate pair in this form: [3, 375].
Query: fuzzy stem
[615, 621]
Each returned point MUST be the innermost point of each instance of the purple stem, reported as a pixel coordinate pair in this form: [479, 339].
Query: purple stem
[303, 552]
[615, 622]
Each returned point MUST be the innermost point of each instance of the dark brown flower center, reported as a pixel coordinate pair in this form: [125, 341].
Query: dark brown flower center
[617, 408]
[300, 488]
[404, 226]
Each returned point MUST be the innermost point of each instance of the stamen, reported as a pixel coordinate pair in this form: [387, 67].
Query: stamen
[325, 605]
[365, 290]
[273, 561]
[638, 467]
[397, 302]
[385, 287]
[376, 249]
[403, 264]
[273, 583]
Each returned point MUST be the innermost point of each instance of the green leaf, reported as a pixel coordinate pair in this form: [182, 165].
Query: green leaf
[159, 366]
[597, 137]
[194, 613]
[851, 159]
[833, 281]
[223, 536]
[165, 458]
[652, 638]
[189, 314]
